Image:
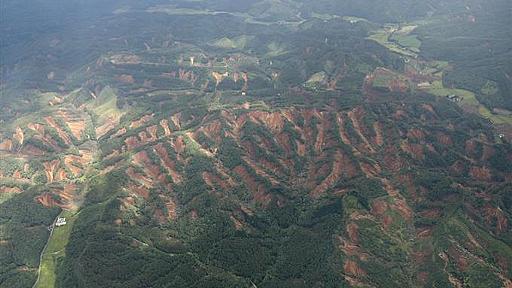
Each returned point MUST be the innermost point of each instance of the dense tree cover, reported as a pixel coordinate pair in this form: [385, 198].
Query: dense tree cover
[298, 56]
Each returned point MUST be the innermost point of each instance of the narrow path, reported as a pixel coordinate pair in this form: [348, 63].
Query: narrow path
[44, 250]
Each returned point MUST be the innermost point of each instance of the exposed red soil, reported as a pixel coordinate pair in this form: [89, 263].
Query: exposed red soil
[131, 142]
[214, 181]
[32, 150]
[356, 116]
[352, 268]
[125, 78]
[424, 233]
[50, 168]
[457, 168]
[379, 136]
[379, 207]
[370, 170]
[19, 136]
[146, 181]
[401, 207]
[322, 127]
[415, 133]
[152, 131]
[488, 152]
[272, 120]
[399, 114]
[76, 123]
[213, 130]
[47, 200]
[109, 124]
[151, 169]
[444, 139]
[6, 145]
[258, 190]
[480, 173]
[5, 189]
[431, 213]
[470, 146]
[237, 223]
[164, 123]
[168, 164]
[415, 150]
[176, 119]
[342, 166]
[62, 134]
[171, 206]
[139, 190]
[120, 132]
[497, 216]
[353, 232]
[179, 144]
[37, 128]
[392, 160]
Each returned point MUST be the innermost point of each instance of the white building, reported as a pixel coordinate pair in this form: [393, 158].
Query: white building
[60, 222]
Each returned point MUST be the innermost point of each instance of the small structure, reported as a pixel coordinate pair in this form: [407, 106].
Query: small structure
[60, 222]
[454, 98]
[501, 136]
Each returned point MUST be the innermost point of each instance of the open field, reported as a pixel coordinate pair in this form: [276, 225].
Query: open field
[55, 251]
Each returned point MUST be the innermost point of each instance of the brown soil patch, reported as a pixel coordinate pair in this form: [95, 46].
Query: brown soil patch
[140, 191]
[47, 200]
[356, 115]
[488, 152]
[341, 166]
[444, 139]
[164, 123]
[5, 189]
[126, 78]
[258, 190]
[379, 137]
[403, 209]
[76, 123]
[6, 145]
[237, 223]
[179, 144]
[273, 120]
[379, 207]
[352, 268]
[146, 181]
[415, 150]
[62, 134]
[50, 168]
[109, 124]
[19, 136]
[480, 173]
[37, 128]
[353, 232]
[370, 170]
[141, 121]
[341, 128]
[176, 119]
[497, 216]
[214, 181]
[168, 164]
[415, 133]
[470, 146]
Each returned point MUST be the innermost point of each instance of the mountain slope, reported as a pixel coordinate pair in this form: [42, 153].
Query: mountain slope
[198, 144]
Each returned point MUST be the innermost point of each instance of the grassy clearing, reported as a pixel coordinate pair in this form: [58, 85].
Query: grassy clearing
[469, 98]
[55, 250]
[239, 42]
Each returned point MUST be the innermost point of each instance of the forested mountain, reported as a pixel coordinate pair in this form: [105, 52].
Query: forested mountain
[255, 143]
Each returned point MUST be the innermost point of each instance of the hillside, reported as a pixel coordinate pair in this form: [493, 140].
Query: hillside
[258, 144]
